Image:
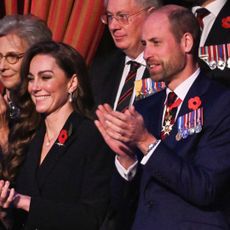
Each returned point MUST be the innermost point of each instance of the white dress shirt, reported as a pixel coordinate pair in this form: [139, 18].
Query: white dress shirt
[208, 21]
[140, 72]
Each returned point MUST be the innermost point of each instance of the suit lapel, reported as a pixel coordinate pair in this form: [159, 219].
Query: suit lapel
[217, 29]
[146, 74]
[198, 88]
[32, 161]
[114, 74]
[57, 150]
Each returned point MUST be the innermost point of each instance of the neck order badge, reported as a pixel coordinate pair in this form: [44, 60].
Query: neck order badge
[172, 104]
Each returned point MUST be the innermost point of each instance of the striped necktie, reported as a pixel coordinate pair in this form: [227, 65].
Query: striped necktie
[200, 14]
[127, 90]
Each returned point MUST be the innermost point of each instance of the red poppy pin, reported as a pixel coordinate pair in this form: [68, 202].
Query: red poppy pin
[194, 103]
[64, 135]
[226, 22]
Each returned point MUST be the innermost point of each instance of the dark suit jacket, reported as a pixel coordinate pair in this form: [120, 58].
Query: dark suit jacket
[219, 35]
[105, 77]
[70, 189]
[185, 184]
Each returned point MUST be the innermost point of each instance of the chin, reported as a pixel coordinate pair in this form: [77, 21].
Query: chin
[120, 45]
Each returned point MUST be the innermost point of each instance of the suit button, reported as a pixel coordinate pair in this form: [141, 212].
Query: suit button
[150, 204]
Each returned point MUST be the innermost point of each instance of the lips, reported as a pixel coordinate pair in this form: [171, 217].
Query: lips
[6, 76]
[118, 36]
[153, 66]
[41, 97]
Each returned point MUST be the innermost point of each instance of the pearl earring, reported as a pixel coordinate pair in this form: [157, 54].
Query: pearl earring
[70, 97]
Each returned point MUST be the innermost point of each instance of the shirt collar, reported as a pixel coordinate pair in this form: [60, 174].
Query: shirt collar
[182, 89]
[140, 59]
[214, 7]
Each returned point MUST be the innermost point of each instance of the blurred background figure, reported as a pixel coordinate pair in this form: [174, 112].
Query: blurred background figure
[17, 34]
[214, 19]
[65, 176]
[110, 72]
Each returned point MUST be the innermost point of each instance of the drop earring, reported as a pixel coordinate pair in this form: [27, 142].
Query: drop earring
[70, 97]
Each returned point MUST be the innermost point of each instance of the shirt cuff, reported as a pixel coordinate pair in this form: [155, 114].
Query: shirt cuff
[147, 156]
[127, 174]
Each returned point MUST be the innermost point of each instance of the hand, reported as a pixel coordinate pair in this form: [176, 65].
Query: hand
[4, 128]
[124, 152]
[127, 127]
[8, 196]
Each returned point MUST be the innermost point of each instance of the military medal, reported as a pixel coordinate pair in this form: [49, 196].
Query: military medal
[212, 57]
[203, 54]
[228, 55]
[189, 124]
[146, 87]
[221, 57]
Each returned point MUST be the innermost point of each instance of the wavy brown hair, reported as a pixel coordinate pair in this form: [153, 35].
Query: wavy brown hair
[21, 133]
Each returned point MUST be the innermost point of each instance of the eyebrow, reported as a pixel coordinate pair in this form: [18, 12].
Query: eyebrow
[42, 71]
[118, 12]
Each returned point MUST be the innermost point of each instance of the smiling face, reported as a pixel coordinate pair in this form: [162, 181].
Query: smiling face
[10, 73]
[127, 37]
[48, 85]
[165, 57]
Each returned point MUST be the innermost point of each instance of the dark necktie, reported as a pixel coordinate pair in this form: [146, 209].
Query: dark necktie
[200, 14]
[171, 104]
[127, 90]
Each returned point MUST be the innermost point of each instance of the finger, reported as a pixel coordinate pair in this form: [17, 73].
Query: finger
[108, 108]
[114, 127]
[117, 119]
[114, 135]
[101, 118]
[3, 106]
[10, 198]
[1, 184]
[4, 191]
[105, 108]
[101, 129]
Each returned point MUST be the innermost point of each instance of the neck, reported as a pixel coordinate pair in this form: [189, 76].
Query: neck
[207, 2]
[133, 54]
[55, 121]
[182, 76]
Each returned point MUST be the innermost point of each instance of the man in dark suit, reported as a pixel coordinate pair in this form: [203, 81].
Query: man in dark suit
[215, 38]
[182, 132]
[108, 72]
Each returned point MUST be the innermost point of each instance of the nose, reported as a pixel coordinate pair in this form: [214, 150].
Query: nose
[3, 64]
[114, 24]
[34, 85]
[147, 53]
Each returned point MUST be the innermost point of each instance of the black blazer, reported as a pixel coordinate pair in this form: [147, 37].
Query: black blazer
[105, 77]
[70, 189]
[218, 35]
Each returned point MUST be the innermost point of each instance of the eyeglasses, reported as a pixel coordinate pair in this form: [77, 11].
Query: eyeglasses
[121, 18]
[11, 57]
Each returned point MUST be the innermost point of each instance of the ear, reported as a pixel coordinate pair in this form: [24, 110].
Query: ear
[187, 42]
[150, 10]
[72, 84]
